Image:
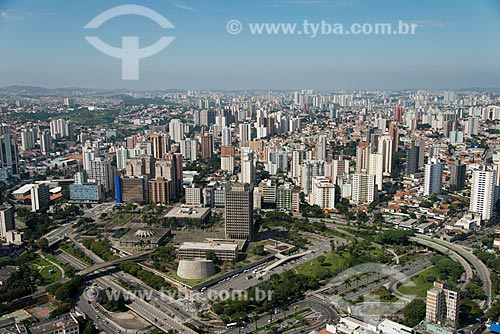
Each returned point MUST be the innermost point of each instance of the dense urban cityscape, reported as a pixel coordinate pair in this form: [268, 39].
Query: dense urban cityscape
[249, 211]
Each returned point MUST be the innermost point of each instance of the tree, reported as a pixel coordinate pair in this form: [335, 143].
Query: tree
[43, 244]
[212, 256]
[414, 312]
[321, 259]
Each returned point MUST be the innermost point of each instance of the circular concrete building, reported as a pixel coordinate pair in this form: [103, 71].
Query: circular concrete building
[195, 269]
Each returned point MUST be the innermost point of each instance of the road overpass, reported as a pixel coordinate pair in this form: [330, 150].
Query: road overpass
[111, 263]
[481, 269]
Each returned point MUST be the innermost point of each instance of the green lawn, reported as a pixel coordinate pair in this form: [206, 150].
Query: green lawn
[54, 276]
[423, 282]
[312, 267]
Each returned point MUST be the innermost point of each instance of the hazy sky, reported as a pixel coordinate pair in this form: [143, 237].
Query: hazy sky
[456, 45]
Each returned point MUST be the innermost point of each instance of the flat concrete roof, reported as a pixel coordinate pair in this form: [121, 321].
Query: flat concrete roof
[193, 213]
[209, 246]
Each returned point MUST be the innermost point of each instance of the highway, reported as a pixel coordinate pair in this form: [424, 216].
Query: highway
[147, 311]
[327, 316]
[482, 271]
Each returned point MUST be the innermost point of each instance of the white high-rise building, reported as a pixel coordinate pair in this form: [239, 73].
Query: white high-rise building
[385, 147]
[484, 193]
[121, 157]
[40, 196]
[226, 136]
[247, 174]
[321, 148]
[45, 146]
[245, 134]
[101, 172]
[61, 128]
[363, 188]
[88, 156]
[323, 193]
[176, 130]
[310, 169]
[376, 167]
[7, 222]
[472, 126]
[297, 157]
[27, 139]
[433, 177]
[189, 149]
[227, 164]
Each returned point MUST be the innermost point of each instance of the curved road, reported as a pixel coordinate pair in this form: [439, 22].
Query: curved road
[482, 270]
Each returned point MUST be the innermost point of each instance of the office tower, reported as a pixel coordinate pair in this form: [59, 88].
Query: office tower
[363, 188]
[121, 158]
[310, 169]
[45, 145]
[207, 145]
[398, 113]
[247, 173]
[165, 169]
[376, 167]
[297, 158]
[394, 134]
[60, 128]
[472, 126]
[245, 134]
[193, 195]
[9, 158]
[189, 149]
[40, 196]
[321, 148]
[340, 168]
[227, 136]
[385, 147]
[441, 304]
[176, 130]
[362, 157]
[7, 222]
[101, 173]
[227, 164]
[484, 193]
[132, 189]
[158, 145]
[433, 177]
[160, 191]
[457, 176]
[323, 193]
[177, 158]
[27, 139]
[238, 211]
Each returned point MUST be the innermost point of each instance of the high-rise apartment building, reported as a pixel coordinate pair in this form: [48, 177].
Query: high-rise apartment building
[323, 193]
[363, 188]
[40, 196]
[484, 193]
[433, 177]
[457, 176]
[247, 173]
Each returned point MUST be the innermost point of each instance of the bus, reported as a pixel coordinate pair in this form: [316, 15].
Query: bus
[231, 325]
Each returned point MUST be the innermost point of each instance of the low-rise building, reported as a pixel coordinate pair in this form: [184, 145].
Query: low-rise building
[199, 250]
